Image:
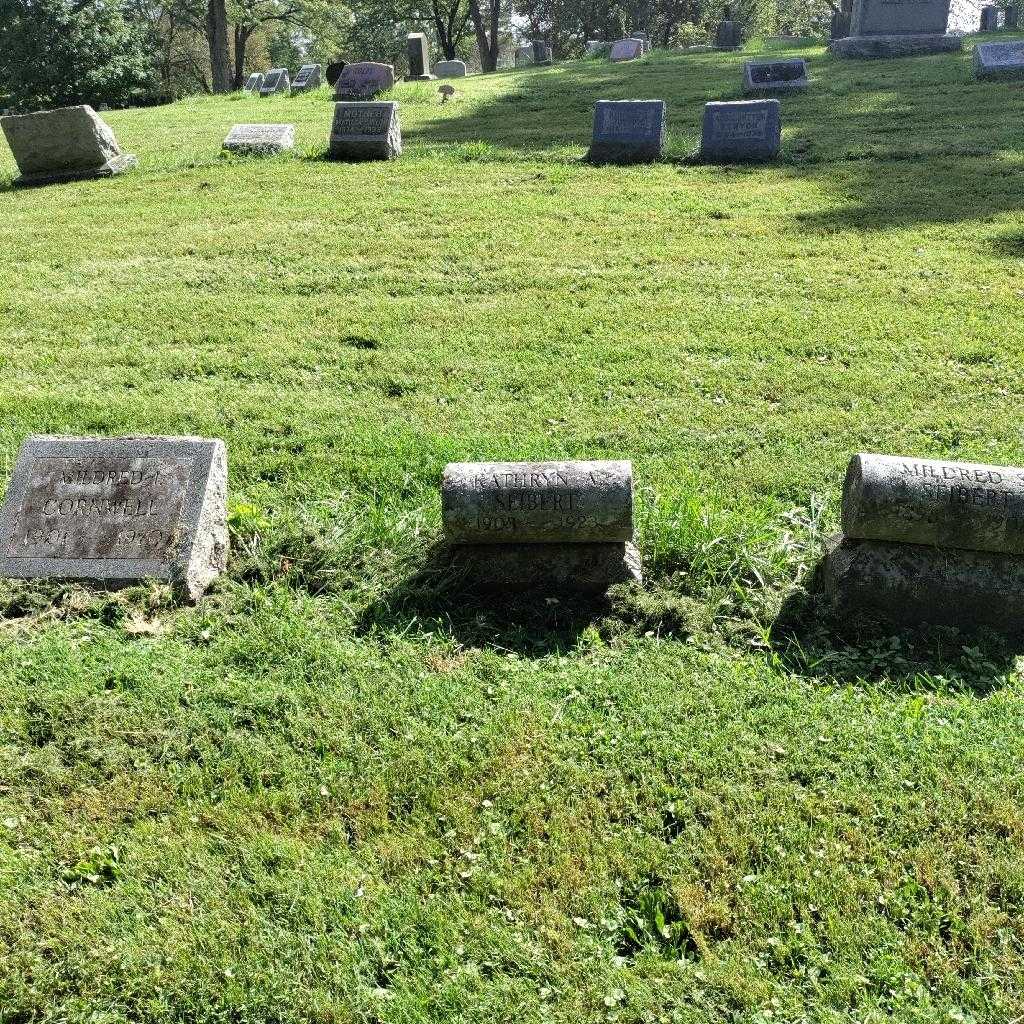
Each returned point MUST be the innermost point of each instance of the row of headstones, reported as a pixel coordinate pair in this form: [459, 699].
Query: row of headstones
[631, 131]
[922, 540]
[994, 18]
[278, 80]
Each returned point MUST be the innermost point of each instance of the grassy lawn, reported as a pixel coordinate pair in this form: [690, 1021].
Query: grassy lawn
[336, 792]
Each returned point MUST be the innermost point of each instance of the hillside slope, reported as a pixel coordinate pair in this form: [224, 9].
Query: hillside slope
[334, 792]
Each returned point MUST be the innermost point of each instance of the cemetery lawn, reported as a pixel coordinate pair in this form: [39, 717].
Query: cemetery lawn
[336, 792]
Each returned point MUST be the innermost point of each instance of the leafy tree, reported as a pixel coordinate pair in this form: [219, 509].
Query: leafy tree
[62, 52]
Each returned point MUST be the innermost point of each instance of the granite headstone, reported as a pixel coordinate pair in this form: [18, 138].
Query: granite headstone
[418, 53]
[898, 28]
[742, 130]
[118, 510]
[365, 131]
[994, 61]
[63, 145]
[626, 49]
[450, 69]
[308, 77]
[260, 139]
[254, 82]
[774, 76]
[276, 81]
[364, 80]
[628, 131]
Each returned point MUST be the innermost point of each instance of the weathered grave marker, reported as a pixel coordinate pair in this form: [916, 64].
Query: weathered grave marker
[364, 81]
[309, 77]
[63, 145]
[541, 52]
[741, 130]
[728, 33]
[628, 131]
[990, 18]
[254, 82]
[626, 49]
[771, 76]
[926, 540]
[365, 131]
[418, 52]
[994, 61]
[118, 510]
[1011, 16]
[561, 525]
[276, 80]
[450, 69]
[897, 28]
[260, 139]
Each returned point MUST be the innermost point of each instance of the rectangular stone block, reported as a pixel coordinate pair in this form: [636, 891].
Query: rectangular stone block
[900, 17]
[365, 131]
[418, 51]
[576, 569]
[450, 69]
[916, 585]
[364, 80]
[773, 76]
[117, 510]
[63, 145]
[856, 47]
[626, 49]
[276, 81]
[254, 82]
[927, 501]
[537, 502]
[260, 139]
[995, 61]
[628, 131]
[741, 130]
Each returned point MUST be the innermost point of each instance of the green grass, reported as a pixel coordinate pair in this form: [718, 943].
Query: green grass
[335, 791]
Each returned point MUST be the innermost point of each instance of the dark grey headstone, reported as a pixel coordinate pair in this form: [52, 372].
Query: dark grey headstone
[901, 28]
[254, 82]
[118, 510]
[308, 77]
[1011, 16]
[628, 131]
[260, 139]
[276, 81]
[334, 70]
[729, 35]
[365, 131]
[741, 130]
[63, 145]
[774, 76]
[990, 18]
[418, 51]
[541, 52]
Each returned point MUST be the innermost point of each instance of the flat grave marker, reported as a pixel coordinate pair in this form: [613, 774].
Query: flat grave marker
[995, 61]
[260, 139]
[117, 510]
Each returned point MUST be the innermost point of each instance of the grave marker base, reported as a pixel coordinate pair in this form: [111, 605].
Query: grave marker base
[869, 47]
[116, 165]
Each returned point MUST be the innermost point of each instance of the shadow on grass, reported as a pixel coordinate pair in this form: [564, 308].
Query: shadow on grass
[532, 623]
[917, 140]
[809, 639]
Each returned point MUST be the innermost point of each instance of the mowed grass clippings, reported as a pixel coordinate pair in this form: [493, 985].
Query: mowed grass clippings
[336, 790]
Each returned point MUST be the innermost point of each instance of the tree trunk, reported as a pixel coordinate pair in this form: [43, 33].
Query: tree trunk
[488, 48]
[242, 33]
[217, 37]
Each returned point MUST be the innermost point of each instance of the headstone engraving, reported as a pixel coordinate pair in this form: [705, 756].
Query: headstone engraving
[364, 81]
[927, 501]
[309, 77]
[537, 502]
[365, 131]
[450, 69]
[118, 510]
[628, 131]
[773, 76]
[626, 49]
[63, 145]
[254, 82]
[276, 81]
[550, 525]
[741, 130]
[994, 61]
[925, 540]
[418, 52]
[260, 139]
[897, 28]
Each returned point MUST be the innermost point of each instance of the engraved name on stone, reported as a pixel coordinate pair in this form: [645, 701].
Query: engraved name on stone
[117, 509]
[965, 505]
[538, 502]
